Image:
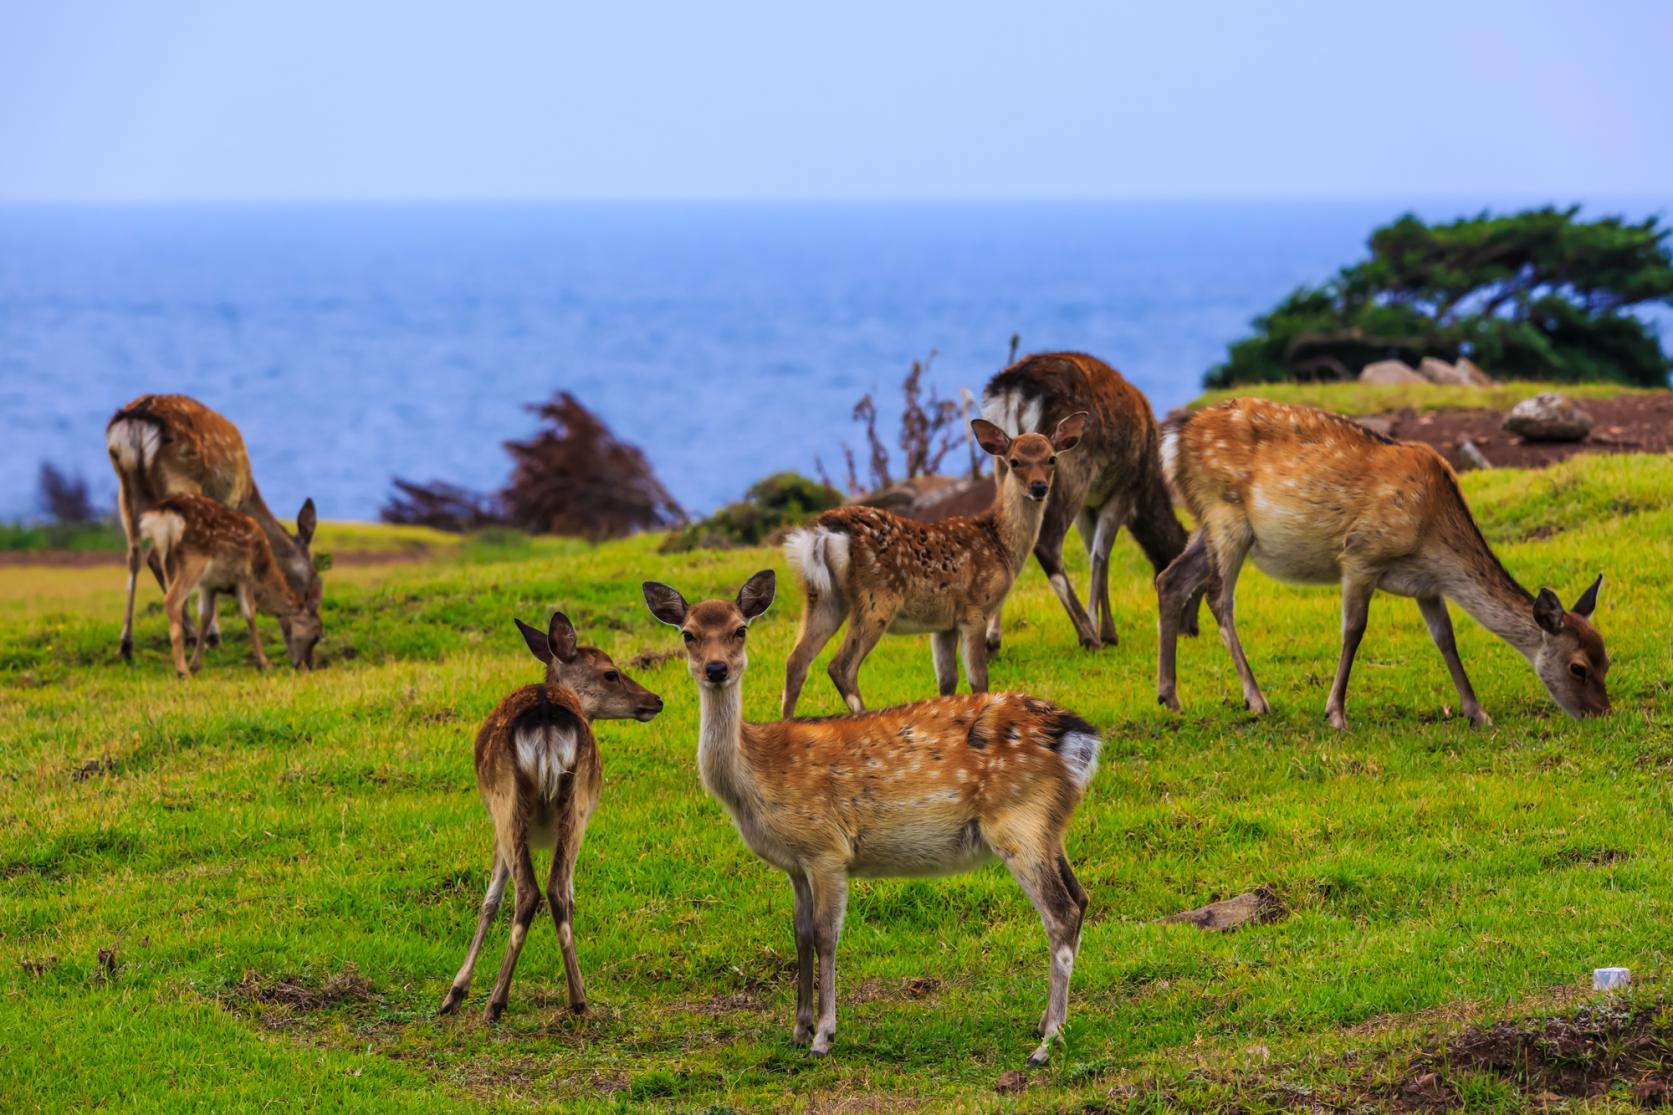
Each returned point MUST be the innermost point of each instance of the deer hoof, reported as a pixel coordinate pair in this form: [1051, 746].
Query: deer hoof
[126, 650]
[580, 1010]
[1337, 718]
[803, 1034]
[1257, 706]
[1479, 718]
[492, 1014]
[1168, 701]
[455, 996]
[1039, 1058]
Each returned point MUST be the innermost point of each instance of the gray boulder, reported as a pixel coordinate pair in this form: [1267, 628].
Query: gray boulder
[1548, 417]
[1461, 374]
[1389, 372]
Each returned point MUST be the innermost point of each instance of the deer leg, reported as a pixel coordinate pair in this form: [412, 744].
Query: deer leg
[866, 625]
[490, 906]
[821, 616]
[1440, 629]
[829, 889]
[1356, 609]
[206, 610]
[1048, 551]
[943, 646]
[996, 624]
[209, 626]
[247, 605]
[1180, 582]
[974, 638]
[126, 646]
[1230, 547]
[528, 903]
[1110, 518]
[804, 959]
[560, 892]
[174, 607]
[157, 571]
[1042, 878]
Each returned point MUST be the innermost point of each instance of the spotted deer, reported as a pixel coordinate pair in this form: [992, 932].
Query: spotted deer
[1113, 480]
[881, 572]
[538, 773]
[1312, 497]
[206, 547]
[931, 788]
[164, 445]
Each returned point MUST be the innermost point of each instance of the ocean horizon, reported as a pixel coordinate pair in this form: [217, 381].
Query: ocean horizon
[356, 343]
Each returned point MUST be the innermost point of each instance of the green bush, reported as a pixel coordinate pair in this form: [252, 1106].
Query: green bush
[782, 500]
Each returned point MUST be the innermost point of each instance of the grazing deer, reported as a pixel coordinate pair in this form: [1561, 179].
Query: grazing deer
[164, 445]
[205, 546]
[1114, 480]
[538, 773]
[930, 788]
[1313, 497]
[881, 572]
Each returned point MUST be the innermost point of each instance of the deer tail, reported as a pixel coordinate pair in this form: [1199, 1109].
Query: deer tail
[819, 555]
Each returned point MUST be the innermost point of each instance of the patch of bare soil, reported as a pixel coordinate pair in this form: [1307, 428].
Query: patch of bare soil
[278, 1002]
[1628, 424]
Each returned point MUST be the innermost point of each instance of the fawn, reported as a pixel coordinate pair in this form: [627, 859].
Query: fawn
[538, 772]
[164, 445]
[881, 572]
[1113, 480]
[930, 788]
[1314, 497]
[204, 546]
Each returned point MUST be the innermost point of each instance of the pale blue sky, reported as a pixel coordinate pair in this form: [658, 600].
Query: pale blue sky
[514, 99]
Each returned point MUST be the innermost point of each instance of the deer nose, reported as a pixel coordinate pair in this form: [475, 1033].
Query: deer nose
[1037, 489]
[715, 671]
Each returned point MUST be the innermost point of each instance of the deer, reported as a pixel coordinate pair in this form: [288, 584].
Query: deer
[1114, 479]
[932, 788]
[538, 774]
[204, 546]
[1313, 497]
[164, 445]
[882, 572]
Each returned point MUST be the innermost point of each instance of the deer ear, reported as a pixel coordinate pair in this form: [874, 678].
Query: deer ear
[560, 636]
[990, 437]
[757, 594]
[665, 603]
[306, 520]
[1587, 604]
[538, 646]
[1548, 612]
[1068, 433]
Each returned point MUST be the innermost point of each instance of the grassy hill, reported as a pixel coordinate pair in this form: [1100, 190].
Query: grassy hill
[255, 889]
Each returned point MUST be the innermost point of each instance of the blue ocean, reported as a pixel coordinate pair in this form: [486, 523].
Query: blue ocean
[354, 344]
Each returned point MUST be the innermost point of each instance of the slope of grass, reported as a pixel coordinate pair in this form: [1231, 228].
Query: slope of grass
[1369, 398]
[283, 870]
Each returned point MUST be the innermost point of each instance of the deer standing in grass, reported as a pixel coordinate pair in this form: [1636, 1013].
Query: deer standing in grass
[538, 772]
[206, 547]
[930, 788]
[882, 572]
[1313, 497]
[1113, 480]
[164, 445]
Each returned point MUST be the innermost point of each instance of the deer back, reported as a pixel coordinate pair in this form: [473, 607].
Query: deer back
[931, 568]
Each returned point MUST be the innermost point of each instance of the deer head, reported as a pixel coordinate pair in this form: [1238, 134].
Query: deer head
[1030, 460]
[1571, 660]
[303, 629]
[605, 692]
[714, 630]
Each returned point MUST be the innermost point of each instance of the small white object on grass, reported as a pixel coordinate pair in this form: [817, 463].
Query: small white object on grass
[1608, 979]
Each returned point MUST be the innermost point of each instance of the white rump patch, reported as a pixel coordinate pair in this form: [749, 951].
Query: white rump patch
[820, 558]
[133, 443]
[1170, 454]
[163, 530]
[1080, 756]
[545, 754]
[1011, 413]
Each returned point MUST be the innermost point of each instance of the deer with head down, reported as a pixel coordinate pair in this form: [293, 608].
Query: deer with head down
[1316, 498]
[539, 775]
[881, 572]
[165, 445]
[931, 788]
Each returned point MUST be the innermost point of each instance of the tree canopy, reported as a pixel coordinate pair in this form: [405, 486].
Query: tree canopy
[1533, 295]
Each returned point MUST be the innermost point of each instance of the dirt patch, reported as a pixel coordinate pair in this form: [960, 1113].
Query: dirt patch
[895, 991]
[277, 1002]
[1257, 907]
[649, 659]
[1628, 424]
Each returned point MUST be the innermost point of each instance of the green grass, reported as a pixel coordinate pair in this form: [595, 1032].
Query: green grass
[288, 867]
[1368, 398]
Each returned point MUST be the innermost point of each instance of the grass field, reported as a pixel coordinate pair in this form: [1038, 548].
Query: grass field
[252, 891]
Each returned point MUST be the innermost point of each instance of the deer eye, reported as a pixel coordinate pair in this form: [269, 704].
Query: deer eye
[1577, 670]
[742, 631]
[689, 637]
[1015, 463]
[1051, 460]
[612, 676]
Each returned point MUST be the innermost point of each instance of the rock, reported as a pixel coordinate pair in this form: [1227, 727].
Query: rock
[1389, 372]
[1378, 423]
[1548, 417]
[1258, 906]
[1441, 373]
[1475, 375]
[1473, 456]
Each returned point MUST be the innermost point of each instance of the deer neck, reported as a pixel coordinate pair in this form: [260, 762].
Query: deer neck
[289, 555]
[1479, 584]
[720, 754]
[273, 592]
[1016, 520]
